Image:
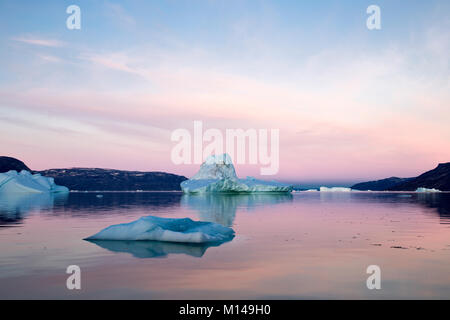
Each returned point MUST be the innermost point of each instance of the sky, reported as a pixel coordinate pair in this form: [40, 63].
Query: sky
[351, 104]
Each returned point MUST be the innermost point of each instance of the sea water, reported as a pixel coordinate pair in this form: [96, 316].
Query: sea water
[305, 245]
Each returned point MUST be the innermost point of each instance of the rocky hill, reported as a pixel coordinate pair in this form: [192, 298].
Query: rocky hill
[8, 163]
[95, 179]
[380, 185]
[438, 178]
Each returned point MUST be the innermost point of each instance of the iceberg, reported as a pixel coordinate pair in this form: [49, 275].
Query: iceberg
[335, 189]
[311, 190]
[425, 190]
[167, 230]
[25, 182]
[217, 174]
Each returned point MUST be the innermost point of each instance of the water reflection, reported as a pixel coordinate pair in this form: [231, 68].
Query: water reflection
[85, 204]
[222, 208]
[154, 249]
[284, 246]
[438, 201]
[14, 207]
[209, 207]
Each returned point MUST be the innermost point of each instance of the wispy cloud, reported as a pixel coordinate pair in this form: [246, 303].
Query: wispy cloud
[39, 41]
[114, 61]
[50, 58]
[117, 12]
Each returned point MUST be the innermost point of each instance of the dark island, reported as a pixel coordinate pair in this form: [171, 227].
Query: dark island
[96, 179]
[380, 185]
[438, 178]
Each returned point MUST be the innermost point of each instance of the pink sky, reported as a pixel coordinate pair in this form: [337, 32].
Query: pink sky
[344, 112]
[332, 140]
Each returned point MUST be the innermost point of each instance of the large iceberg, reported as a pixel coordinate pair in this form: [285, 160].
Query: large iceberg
[217, 174]
[166, 229]
[25, 182]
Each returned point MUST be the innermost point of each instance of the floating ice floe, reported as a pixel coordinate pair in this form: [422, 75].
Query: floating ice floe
[335, 189]
[25, 182]
[166, 229]
[217, 174]
[311, 190]
[425, 190]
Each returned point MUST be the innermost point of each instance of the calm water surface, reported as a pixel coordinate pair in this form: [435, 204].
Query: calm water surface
[305, 245]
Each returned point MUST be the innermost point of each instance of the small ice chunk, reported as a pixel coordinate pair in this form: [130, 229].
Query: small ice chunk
[335, 189]
[425, 190]
[166, 229]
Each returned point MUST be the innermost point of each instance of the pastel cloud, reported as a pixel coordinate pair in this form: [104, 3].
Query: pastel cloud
[39, 41]
[117, 12]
